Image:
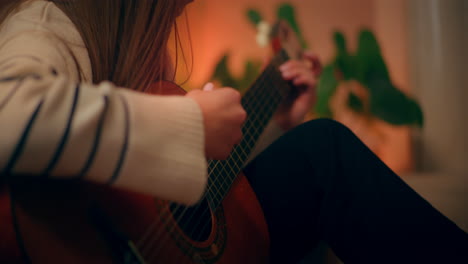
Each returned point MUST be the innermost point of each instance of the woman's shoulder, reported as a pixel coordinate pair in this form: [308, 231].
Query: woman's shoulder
[55, 30]
[35, 15]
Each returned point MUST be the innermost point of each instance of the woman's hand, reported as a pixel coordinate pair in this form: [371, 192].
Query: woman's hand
[303, 75]
[223, 117]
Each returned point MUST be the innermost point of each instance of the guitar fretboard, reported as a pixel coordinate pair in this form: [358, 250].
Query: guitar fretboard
[260, 103]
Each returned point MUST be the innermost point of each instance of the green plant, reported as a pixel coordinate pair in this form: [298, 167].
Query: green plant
[223, 75]
[252, 68]
[367, 67]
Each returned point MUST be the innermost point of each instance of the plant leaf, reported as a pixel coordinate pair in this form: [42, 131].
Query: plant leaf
[222, 73]
[393, 106]
[370, 63]
[344, 62]
[254, 16]
[326, 87]
[286, 12]
[340, 42]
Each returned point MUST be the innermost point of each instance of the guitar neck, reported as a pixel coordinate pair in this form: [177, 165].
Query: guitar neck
[260, 103]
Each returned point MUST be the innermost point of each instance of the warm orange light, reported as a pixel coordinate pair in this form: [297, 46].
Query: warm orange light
[221, 26]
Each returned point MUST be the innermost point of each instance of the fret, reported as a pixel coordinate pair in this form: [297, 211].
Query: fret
[260, 103]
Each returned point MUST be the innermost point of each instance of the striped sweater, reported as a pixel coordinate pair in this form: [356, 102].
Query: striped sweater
[53, 126]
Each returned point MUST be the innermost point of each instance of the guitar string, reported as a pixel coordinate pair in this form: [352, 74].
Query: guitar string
[210, 190]
[206, 211]
[155, 225]
[229, 170]
[220, 163]
[210, 176]
[231, 177]
[255, 101]
[232, 174]
[273, 105]
[211, 168]
[161, 229]
[203, 229]
[209, 187]
[216, 179]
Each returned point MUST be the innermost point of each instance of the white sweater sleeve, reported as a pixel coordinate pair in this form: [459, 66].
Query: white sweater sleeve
[52, 126]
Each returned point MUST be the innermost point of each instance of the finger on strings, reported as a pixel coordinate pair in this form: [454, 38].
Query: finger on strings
[294, 72]
[289, 65]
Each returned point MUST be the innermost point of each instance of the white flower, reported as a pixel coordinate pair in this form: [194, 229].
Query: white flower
[263, 33]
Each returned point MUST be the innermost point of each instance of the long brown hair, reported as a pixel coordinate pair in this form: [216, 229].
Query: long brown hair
[126, 39]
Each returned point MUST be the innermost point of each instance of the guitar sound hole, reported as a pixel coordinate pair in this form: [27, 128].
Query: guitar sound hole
[195, 222]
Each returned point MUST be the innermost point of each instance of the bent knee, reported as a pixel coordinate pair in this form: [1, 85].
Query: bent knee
[321, 127]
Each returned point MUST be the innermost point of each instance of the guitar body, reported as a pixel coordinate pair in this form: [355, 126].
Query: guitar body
[67, 221]
[53, 221]
[53, 226]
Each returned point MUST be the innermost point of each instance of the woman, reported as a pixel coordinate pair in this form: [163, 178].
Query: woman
[336, 190]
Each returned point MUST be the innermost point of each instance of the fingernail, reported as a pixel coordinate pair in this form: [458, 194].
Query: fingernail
[208, 87]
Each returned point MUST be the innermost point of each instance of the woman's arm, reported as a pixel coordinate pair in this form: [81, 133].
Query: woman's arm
[54, 127]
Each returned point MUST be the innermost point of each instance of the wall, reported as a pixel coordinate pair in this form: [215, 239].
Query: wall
[438, 59]
[220, 26]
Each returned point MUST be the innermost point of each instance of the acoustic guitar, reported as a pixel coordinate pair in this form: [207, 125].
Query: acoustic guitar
[54, 221]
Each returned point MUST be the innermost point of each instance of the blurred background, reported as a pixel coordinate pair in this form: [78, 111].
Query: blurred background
[423, 46]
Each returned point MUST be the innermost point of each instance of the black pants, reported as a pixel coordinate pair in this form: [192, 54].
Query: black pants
[319, 182]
